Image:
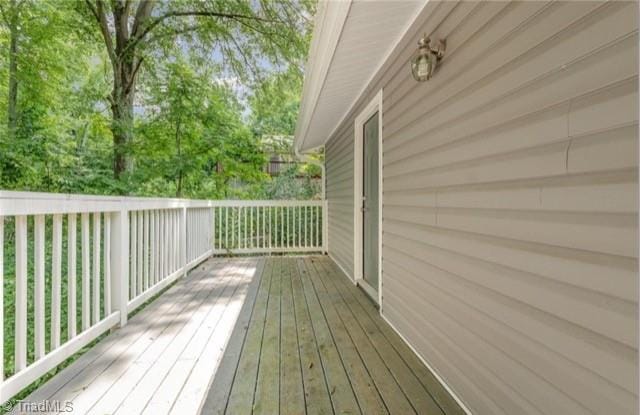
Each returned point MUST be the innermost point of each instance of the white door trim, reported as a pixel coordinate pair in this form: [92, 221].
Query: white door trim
[374, 105]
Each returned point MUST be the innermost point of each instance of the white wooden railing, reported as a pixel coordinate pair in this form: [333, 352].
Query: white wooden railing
[268, 226]
[77, 266]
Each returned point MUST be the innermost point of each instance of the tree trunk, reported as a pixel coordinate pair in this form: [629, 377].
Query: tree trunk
[122, 122]
[12, 110]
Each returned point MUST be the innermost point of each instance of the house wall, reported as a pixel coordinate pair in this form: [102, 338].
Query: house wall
[339, 193]
[510, 207]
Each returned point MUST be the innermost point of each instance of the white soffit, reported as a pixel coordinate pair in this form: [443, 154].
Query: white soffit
[351, 40]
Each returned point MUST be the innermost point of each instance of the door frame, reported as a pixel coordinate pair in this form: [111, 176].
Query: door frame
[374, 105]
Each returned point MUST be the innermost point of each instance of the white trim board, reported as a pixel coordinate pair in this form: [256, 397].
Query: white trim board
[375, 105]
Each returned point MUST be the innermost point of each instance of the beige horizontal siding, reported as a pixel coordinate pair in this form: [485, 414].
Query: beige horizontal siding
[510, 203]
[339, 171]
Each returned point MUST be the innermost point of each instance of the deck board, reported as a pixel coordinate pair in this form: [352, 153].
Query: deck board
[287, 335]
[361, 323]
[132, 367]
[292, 400]
[334, 353]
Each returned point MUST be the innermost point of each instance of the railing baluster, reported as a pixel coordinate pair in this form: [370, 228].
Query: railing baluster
[260, 224]
[86, 277]
[72, 224]
[299, 227]
[173, 240]
[163, 242]
[20, 353]
[219, 212]
[96, 267]
[236, 227]
[176, 239]
[133, 254]
[183, 240]
[244, 218]
[139, 246]
[106, 247]
[251, 243]
[146, 250]
[271, 227]
[226, 227]
[196, 234]
[39, 301]
[152, 247]
[317, 210]
[281, 239]
[167, 247]
[169, 241]
[56, 276]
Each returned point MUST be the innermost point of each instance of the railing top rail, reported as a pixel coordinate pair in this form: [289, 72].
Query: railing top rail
[252, 203]
[30, 203]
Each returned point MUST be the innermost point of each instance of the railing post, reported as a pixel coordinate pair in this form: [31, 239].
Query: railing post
[120, 263]
[183, 240]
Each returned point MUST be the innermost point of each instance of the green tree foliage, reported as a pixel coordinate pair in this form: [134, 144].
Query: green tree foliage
[193, 140]
[274, 104]
[245, 36]
[46, 84]
[274, 112]
[193, 130]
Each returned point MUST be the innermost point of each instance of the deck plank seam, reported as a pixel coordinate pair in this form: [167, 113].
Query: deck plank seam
[264, 322]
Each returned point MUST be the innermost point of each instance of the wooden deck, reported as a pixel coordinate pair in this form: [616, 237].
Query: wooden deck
[287, 335]
[309, 341]
[163, 360]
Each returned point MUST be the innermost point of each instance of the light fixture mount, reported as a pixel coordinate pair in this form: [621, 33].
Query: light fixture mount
[426, 58]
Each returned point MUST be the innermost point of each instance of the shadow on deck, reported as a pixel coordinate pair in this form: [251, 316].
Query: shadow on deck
[269, 335]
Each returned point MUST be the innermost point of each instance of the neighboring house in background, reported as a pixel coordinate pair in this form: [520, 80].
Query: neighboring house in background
[492, 211]
[280, 158]
[280, 155]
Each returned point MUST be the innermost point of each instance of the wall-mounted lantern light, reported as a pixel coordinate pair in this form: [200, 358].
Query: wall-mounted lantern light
[425, 60]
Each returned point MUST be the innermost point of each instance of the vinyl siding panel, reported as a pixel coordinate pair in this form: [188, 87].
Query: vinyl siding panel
[339, 192]
[510, 204]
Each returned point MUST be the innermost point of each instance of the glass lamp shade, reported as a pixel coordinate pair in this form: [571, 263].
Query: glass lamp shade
[426, 58]
[422, 64]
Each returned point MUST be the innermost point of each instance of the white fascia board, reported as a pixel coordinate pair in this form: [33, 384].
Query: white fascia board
[329, 22]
